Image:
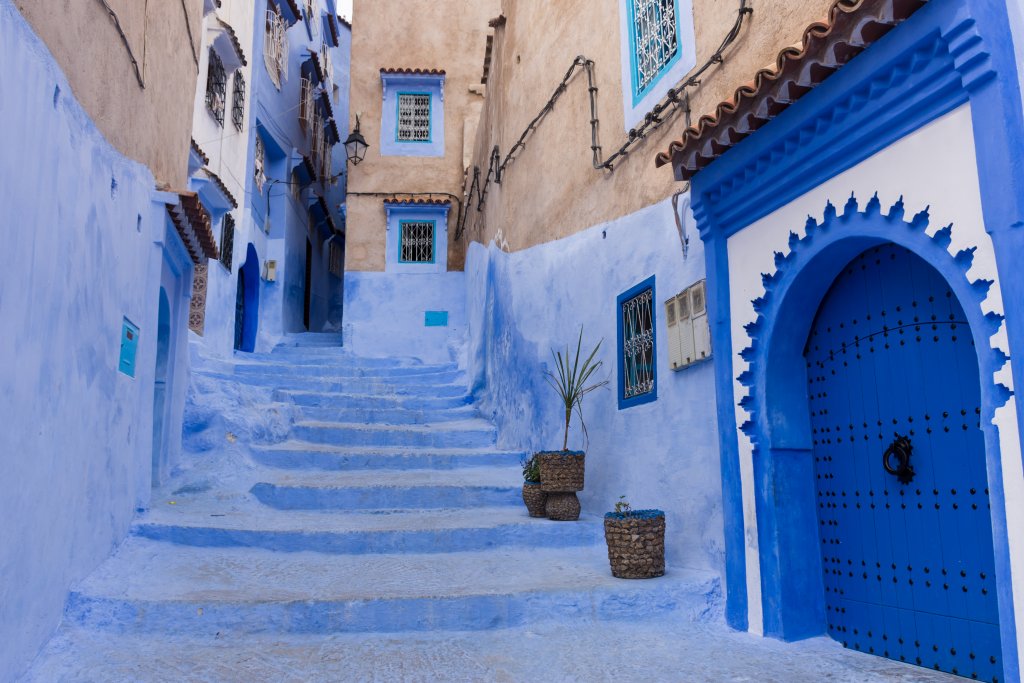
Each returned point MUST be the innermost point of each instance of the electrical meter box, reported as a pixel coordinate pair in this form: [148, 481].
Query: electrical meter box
[689, 335]
[129, 347]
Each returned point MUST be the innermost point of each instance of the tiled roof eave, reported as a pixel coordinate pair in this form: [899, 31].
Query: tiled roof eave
[849, 28]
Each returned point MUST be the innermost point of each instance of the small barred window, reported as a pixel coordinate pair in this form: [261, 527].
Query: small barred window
[216, 87]
[238, 102]
[227, 240]
[655, 40]
[637, 325]
[259, 159]
[417, 242]
[413, 118]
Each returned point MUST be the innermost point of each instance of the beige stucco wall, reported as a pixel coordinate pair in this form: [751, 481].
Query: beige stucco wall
[424, 34]
[551, 190]
[150, 125]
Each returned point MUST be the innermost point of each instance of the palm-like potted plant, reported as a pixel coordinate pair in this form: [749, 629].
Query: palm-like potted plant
[561, 472]
[636, 541]
[533, 496]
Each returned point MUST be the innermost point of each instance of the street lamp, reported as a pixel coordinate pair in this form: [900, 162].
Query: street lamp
[355, 145]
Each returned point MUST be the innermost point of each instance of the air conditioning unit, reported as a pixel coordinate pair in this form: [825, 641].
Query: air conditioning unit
[689, 337]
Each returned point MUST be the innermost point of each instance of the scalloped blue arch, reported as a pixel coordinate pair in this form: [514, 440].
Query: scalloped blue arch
[779, 424]
[949, 53]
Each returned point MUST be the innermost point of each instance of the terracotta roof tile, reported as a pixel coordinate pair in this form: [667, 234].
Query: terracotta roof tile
[193, 224]
[235, 43]
[430, 201]
[199, 150]
[222, 187]
[424, 72]
[849, 27]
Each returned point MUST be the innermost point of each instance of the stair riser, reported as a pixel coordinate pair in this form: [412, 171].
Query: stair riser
[393, 416]
[470, 613]
[536, 535]
[379, 376]
[384, 498]
[323, 399]
[394, 437]
[318, 460]
[351, 386]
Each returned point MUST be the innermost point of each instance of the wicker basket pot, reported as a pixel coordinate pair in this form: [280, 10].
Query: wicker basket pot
[636, 543]
[561, 471]
[534, 498]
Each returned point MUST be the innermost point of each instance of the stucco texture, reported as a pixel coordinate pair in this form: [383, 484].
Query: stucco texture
[150, 125]
[410, 34]
[551, 190]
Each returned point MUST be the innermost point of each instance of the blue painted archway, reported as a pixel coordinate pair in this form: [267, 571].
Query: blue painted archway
[248, 296]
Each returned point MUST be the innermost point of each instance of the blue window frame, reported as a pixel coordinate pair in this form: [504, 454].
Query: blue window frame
[637, 350]
[417, 241]
[654, 42]
[412, 117]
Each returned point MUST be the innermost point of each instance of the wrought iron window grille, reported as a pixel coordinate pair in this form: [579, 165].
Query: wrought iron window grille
[238, 102]
[637, 344]
[227, 241]
[216, 88]
[275, 52]
[413, 117]
[337, 260]
[655, 40]
[417, 243]
[259, 162]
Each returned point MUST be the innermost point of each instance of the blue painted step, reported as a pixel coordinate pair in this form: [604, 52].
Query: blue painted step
[305, 455]
[368, 401]
[393, 416]
[456, 434]
[350, 385]
[425, 496]
[378, 376]
[152, 587]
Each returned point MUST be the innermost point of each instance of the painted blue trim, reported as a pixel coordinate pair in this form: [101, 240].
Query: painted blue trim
[398, 212]
[948, 53]
[394, 84]
[433, 240]
[651, 395]
[640, 94]
[430, 129]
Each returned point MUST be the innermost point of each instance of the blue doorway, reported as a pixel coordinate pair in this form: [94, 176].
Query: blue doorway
[901, 487]
[247, 302]
[161, 376]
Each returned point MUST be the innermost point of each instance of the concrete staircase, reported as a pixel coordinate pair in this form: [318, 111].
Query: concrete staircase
[385, 507]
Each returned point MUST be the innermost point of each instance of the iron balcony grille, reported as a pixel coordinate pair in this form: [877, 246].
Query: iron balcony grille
[655, 41]
[227, 240]
[414, 118]
[275, 52]
[216, 87]
[238, 102]
[637, 345]
[417, 242]
[259, 159]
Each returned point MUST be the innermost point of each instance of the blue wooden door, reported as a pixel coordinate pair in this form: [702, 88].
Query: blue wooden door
[906, 550]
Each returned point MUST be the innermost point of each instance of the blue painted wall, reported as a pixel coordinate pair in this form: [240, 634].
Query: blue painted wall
[79, 257]
[661, 454]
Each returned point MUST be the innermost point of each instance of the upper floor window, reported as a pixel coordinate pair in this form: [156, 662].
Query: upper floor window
[275, 46]
[637, 357]
[259, 163]
[657, 45]
[417, 242]
[238, 102]
[413, 117]
[312, 19]
[417, 236]
[412, 112]
[654, 39]
[227, 241]
[216, 87]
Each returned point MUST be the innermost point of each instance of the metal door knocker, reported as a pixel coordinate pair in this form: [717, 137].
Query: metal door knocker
[899, 452]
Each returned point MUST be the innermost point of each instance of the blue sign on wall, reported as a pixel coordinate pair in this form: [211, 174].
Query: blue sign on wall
[129, 347]
[435, 319]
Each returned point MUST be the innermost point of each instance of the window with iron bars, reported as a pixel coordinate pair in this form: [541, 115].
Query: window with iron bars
[259, 162]
[216, 87]
[312, 19]
[636, 345]
[305, 103]
[337, 259]
[227, 240]
[413, 117]
[275, 46]
[654, 39]
[238, 102]
[417, 244]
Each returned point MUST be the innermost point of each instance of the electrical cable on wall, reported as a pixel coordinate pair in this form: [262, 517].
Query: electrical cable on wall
[675, 100]
[124, 40]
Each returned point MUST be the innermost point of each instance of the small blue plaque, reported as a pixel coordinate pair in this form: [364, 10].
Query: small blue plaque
[129, 347]
[435, 319]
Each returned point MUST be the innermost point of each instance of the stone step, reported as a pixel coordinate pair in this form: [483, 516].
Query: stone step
[153, 587]
[348, 385]
[305, 397]
[307, 339]
[206, 521]
[303, 455]
[392, 416]
[330, 371]
[453, 434]
[391, 490]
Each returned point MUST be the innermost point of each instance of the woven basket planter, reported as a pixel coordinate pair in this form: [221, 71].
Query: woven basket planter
[561, 471]
[562, 507]
[534, 498]
[636, 543]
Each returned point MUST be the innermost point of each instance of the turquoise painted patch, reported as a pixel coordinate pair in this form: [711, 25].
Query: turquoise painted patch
[435, 319]
[129, 347]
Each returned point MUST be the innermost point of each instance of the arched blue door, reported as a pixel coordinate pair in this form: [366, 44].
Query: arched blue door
[247, 302]
[906, 544]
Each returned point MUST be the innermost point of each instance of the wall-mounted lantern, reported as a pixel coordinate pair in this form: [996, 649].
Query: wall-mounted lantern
[355, 145]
